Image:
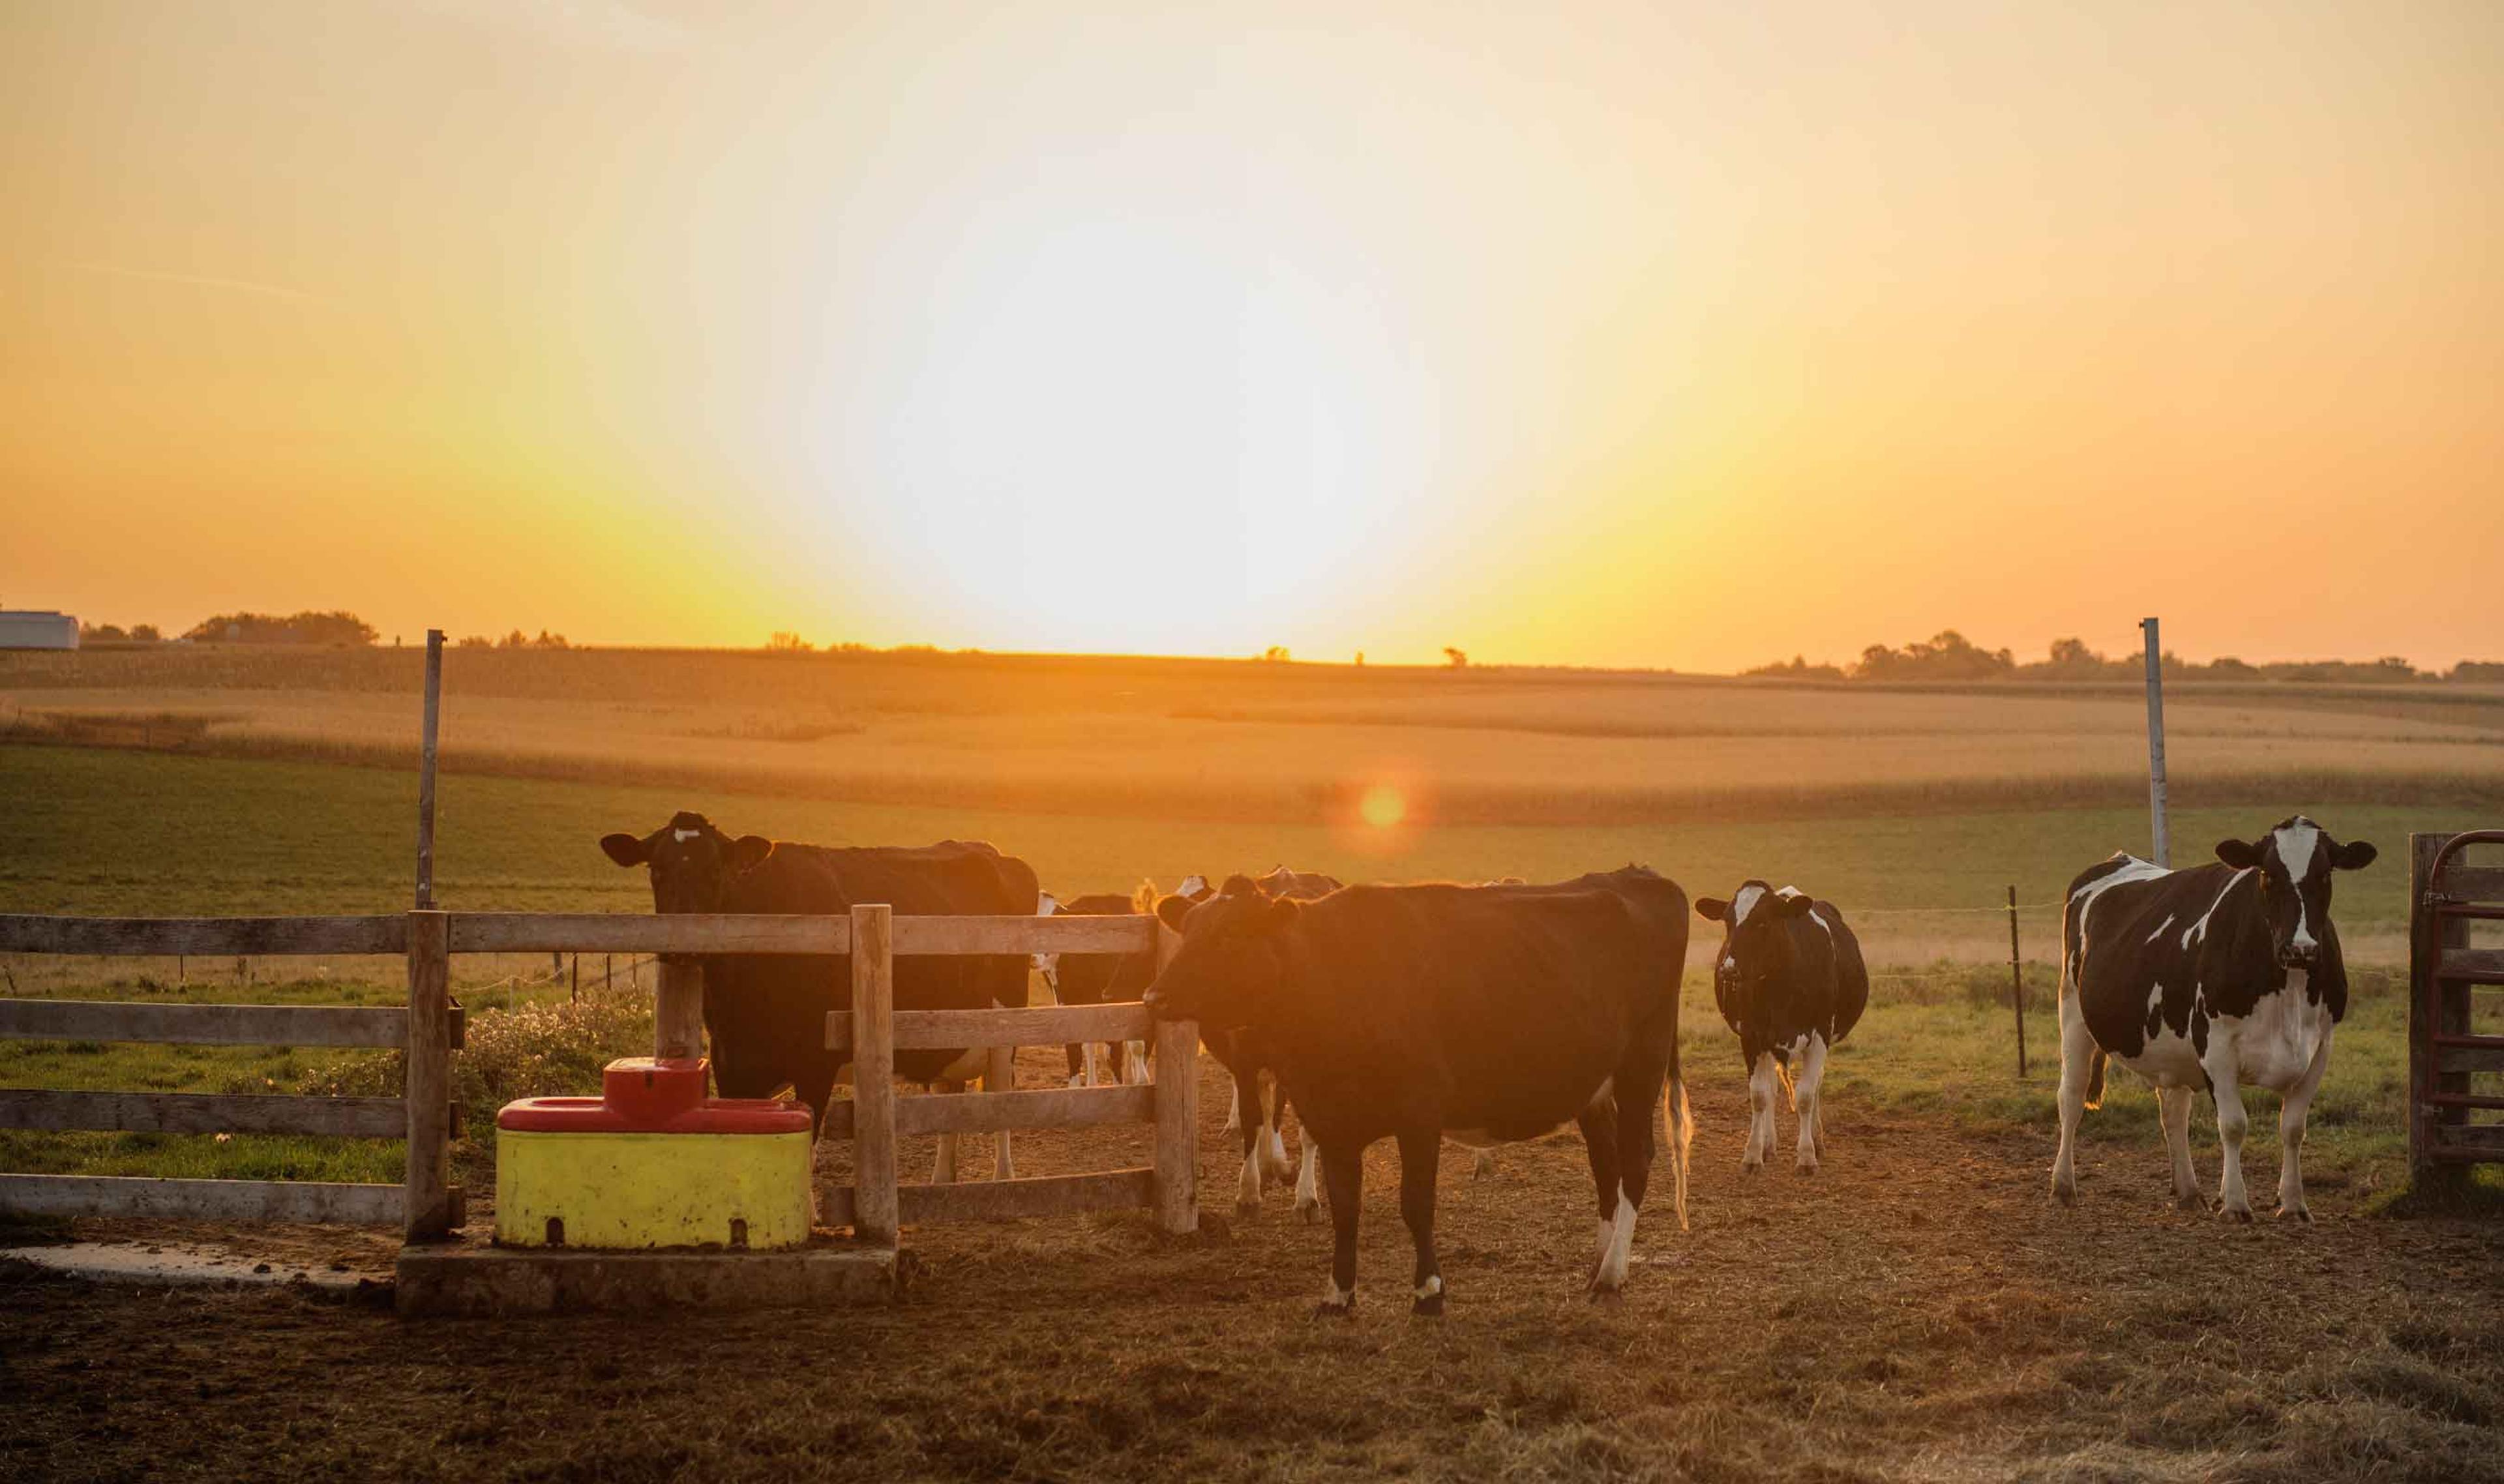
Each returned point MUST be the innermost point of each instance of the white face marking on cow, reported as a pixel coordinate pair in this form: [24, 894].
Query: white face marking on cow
[1192, 886]
[683, 836]
[1046, 905]
[1745, 903]
[2296, 844]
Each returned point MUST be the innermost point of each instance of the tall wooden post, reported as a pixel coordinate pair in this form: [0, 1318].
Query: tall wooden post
[2016, 981]
[873, 1202]
[677, 1010]
[1177, 1104]
[428, 1092]
[2433, 1007]
[2156, 746]
[426, 769]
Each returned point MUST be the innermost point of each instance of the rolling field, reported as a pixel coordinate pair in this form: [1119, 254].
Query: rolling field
[1917, 1310]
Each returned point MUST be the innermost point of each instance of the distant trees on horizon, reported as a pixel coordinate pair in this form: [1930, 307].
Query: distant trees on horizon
[1950, 656]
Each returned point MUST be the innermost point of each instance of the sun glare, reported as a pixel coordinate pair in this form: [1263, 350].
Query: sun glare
[1382, 806]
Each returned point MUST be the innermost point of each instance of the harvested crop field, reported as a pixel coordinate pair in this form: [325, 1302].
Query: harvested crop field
[1917, 1310]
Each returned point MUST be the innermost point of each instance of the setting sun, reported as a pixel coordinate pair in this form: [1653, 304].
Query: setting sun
[1382, 806]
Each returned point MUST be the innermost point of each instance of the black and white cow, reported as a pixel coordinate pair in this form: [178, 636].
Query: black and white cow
[1096, 978]
[2210, 978]
[765, 1015]
[1407, 1012]
[1790, 983]
[1257, 1114]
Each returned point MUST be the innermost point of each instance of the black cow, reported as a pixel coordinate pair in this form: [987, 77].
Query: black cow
[1095, 978]
[1402, 1012]
[1790, 983]
[766, 1013]
[2213, 977]
[1258, 1116]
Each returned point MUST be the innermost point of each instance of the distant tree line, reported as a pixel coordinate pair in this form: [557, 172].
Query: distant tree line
[516, 639]
[1950, 656]
[114, 634]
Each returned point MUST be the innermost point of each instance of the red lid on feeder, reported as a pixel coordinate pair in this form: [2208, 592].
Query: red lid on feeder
[644, 1094]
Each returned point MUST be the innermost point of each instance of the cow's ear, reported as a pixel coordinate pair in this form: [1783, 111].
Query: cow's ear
[1798, 905]
[2355, 855]
[1710, 909]
[2242, 854]
[748, 852]
[1170, 911]
[626, 849]
[1282, 913]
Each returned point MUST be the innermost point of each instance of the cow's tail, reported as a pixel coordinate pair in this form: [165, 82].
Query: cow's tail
[1681, 1134]
[2096, 1080]
[1790, 1089]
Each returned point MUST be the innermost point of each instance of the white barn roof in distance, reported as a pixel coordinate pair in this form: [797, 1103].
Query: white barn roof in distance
[22, 629]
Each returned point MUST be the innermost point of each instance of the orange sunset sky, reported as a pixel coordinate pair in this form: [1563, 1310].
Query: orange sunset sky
[1659, 334]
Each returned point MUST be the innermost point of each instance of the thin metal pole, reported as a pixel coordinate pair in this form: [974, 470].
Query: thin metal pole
[2156, 745]
[426, 770]
[2016, 982]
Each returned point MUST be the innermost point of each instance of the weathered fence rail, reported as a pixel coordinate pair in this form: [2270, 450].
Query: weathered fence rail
[430, 1027]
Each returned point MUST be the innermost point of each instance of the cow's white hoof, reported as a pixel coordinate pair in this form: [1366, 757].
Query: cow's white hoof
[2065, 1191]
[1751, 1166]
[1608, 1299]
[2297, 1211]
[1806, 1166]
[1310, 1211]
[2190, 1200]
[2241, 1214]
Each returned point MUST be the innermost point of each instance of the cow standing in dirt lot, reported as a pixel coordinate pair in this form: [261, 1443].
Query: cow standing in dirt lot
[1096, 978]
[1790, 983]
[1404, 1012]
[765, 1013]
[2213, 976]
[1259, 1118]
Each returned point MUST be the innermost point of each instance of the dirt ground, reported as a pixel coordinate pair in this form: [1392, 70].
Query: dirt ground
[1917, 1310]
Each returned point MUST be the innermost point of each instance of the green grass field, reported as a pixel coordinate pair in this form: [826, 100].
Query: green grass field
[101, 831]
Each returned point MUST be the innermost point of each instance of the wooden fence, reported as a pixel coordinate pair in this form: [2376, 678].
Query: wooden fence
[2445, 1047]
[428, 1028]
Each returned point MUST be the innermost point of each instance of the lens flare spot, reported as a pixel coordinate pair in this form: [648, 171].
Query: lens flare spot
[1382, 806]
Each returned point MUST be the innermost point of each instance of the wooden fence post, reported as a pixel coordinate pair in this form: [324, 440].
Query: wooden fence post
[1177, 1100]
[2431, 1009]
[429, 1088]
[874, 1199]
[677, 1010]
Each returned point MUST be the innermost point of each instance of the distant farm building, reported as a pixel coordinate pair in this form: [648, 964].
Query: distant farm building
[25, 629]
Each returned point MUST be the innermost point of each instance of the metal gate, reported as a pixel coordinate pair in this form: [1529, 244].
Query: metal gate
[2445, 1047]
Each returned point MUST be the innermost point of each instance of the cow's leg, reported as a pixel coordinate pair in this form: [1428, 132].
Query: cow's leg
[1134, 1062]
[2173, 1112]
[1274, 1126]
[1599, 1124]
[1482, 1163]
[1420, 1151]
[1761, 1079]
[1002, 1076]
[1248, 1127]
[1343, 1173]
[1235, 1102]
[2077, 1062]
[1637, 1094]
[2223, 1067]
[2290, 1128]
[1308, 1203]
[1805, 1101]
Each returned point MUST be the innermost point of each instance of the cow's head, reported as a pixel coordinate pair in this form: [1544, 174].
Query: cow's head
[1756, 944]
[2295, 861]
[1194, 890]
[693, 864]
[1228, 961]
